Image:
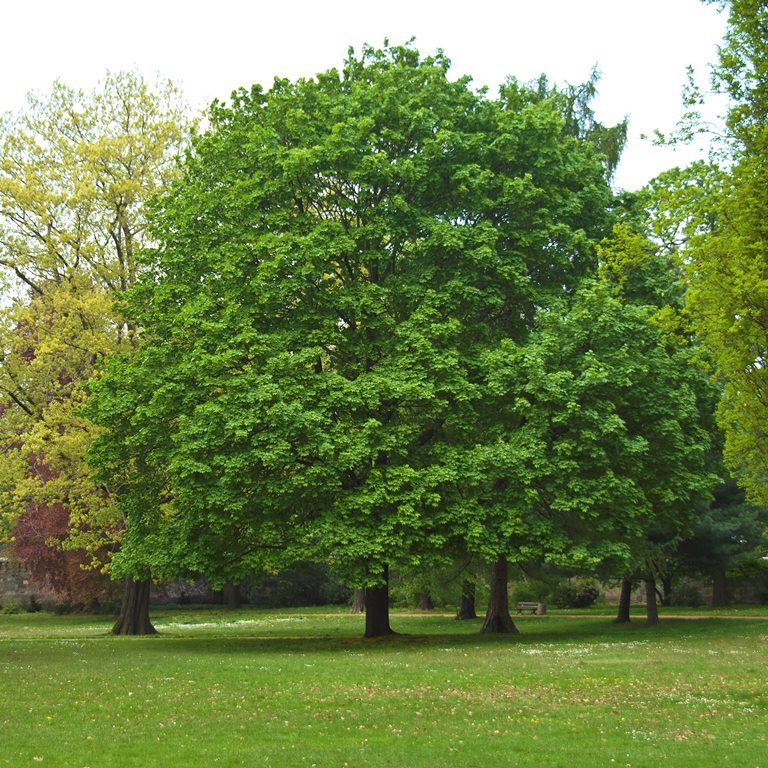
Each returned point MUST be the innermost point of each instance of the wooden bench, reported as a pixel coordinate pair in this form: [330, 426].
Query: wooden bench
[538, 608]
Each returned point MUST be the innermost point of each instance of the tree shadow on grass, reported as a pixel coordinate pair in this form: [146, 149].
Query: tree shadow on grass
[537, 632]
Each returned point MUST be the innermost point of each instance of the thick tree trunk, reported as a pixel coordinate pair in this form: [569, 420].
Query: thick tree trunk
[358, 601]
[231, 596]
[425, 602]
[625, 599]
[719, 588]
[497, 618]
[134, 611]
[467, 603]
[377, 609]
[651, 607]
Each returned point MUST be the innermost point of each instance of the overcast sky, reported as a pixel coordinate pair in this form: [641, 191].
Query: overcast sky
[642, 48]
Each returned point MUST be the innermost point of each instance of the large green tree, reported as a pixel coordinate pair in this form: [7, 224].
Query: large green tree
[76, 171]
[333, 269]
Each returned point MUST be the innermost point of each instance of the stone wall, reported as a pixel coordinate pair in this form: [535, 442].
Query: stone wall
[15, 584]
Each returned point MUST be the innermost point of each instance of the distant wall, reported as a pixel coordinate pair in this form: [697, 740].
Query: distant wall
[15, 583]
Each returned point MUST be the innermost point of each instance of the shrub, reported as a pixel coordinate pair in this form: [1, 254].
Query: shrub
[529, 591]
[417, 588]
[34, 606]
[306, 583]
[522, 592]
[576, 594]
[12, 606]
[686, 593]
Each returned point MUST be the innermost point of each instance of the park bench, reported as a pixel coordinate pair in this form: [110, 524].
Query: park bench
[533, 607]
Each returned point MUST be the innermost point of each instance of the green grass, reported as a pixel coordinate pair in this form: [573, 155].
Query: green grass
[258, 688]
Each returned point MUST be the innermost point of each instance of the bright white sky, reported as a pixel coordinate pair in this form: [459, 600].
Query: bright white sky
[641, 47]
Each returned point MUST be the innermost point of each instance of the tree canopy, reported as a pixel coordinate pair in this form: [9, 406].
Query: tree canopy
[366, 337]
[726, 260]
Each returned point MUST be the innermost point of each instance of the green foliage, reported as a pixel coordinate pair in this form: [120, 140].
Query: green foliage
[729, 535]
[529, 591]
[303, 584]
[577, 593]
[599, 433]
[12, 606]
[727, 263]
[575, 105]
[686, 593]
[334, 271]
[442, 584]
[372, 336]
[644, 263]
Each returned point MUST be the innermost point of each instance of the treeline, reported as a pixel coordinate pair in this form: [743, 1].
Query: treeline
[374, 319]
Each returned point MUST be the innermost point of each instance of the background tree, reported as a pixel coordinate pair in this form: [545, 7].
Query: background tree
[729, 537]
[597, 435]
[644, 265]
[76, 171]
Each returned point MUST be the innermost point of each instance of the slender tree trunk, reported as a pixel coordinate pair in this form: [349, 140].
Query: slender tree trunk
[231, 596]
[625, 599]
[497, 618]
[134, 611]
[358, 601]
[425, 602]
[719, 587]
[666, 590]
[467, 603]
[651, 607]
[377, 609]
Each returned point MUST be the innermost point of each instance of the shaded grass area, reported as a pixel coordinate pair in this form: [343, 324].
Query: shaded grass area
[257, 688]
[638, 611]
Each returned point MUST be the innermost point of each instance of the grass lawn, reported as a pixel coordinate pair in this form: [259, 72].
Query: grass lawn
[258, 688]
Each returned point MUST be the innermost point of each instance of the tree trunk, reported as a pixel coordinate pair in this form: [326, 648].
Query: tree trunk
[467, 603]
[358, 601]
[719, 587]
[497, 618]
[666, 590]
[377, 609]
[625, 599]
[231, 596]
[651, 607]
[425, 602]
[134, 610]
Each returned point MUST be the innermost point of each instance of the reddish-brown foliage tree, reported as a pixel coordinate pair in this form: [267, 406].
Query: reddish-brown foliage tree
[37, 545]
[38, 537]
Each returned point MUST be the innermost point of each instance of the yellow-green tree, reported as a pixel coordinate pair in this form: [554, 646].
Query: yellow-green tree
[76, 173]
[728, 265]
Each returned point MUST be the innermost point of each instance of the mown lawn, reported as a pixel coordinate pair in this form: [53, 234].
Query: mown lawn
[257, 688]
